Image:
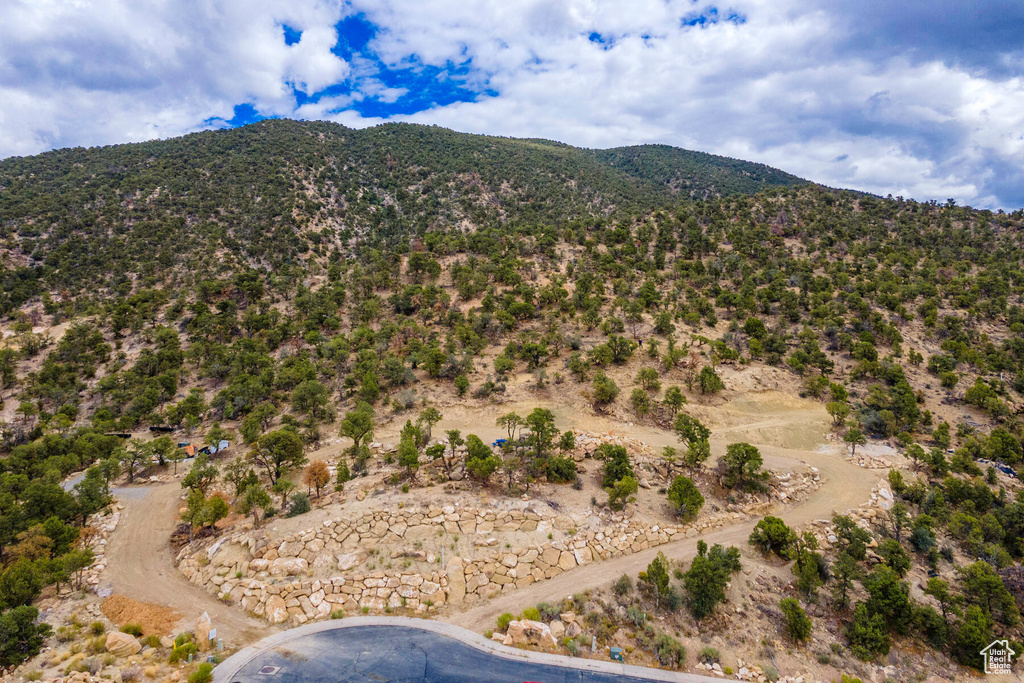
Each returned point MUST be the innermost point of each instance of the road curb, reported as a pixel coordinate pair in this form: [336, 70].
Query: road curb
[226, 670]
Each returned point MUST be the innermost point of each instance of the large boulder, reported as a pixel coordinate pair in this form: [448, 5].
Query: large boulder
[288, 566]
[122, 644]
[275, 610]
[203, 627]
[567, 561]
[351, 560]
[456, 572]
[527, 632]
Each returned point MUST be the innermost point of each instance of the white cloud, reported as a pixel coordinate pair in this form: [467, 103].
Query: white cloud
[793, 86]
[87, 73]
[774, 89]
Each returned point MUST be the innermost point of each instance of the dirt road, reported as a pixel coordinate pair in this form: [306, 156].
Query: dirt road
[844, 486]
[140, 566]
[140, 563]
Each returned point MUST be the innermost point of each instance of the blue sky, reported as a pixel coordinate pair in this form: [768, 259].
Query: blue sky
[919, 99]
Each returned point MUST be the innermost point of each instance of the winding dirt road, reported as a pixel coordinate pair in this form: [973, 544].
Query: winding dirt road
[140, 566]
[845, 486]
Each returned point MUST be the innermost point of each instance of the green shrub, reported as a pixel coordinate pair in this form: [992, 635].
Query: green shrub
[770, 672]
[868, 634]
[669, 651]
[181, 652]
[636, 616]
[66, 633]
[96, 645]
[708, 655]
[204, 674]
[337, 614]
[151, 640]
[561, 470]
[772, 535]
[504, 620]
[548, 612]
[685, 498]
[299, 505]
[798, 625]
[132, 630]
[622, 585]
[531, 613]
[97, 628]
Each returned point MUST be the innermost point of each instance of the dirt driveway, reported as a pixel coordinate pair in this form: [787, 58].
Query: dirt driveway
[140, 566]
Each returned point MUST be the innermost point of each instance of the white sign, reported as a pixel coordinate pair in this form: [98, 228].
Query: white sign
[998, 657]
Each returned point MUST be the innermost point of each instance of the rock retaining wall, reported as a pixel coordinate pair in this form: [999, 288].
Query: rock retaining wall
[273, 579]
[101, 524]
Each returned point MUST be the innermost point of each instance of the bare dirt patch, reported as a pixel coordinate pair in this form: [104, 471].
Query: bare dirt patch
[154, 619]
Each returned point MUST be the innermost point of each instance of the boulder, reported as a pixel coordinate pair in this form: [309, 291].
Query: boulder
[259, 565]
[275, 610]
[527, 632]
[566, 561]
[202, 632]
[288, 566]
[557, 629]
[351, 560]
[122, 644]
[456, 581]
[573, 630]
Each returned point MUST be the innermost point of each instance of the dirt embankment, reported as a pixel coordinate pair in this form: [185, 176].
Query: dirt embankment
[154, 619]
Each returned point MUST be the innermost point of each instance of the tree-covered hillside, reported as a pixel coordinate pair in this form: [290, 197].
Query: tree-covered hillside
[293, 280]
[273, 194]
[694, 174]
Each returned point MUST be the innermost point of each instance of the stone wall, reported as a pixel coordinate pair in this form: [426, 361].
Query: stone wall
[275, 579]
[99, 526]
[873, 513]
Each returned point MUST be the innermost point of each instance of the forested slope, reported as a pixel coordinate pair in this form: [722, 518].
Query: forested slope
[273, 194]
[279, 276]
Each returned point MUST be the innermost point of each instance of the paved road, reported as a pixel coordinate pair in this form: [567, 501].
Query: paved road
[70, 483]
[411, 651]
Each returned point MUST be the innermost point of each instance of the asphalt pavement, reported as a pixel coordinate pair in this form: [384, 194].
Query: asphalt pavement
[411, 654]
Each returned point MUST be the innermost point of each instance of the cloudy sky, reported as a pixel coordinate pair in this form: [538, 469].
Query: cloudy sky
[920, 98]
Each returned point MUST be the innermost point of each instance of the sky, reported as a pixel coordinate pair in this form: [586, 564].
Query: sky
[917, 98]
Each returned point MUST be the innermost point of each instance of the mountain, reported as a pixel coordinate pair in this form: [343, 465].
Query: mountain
[694, 174]
[307, 288]
[264, 194]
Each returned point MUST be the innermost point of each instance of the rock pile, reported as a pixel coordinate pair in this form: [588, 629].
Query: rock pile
[752, 672]
[527, 632]
[789, 487]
